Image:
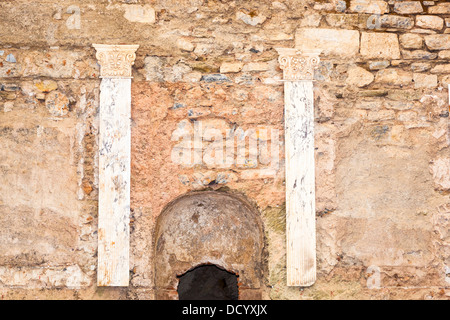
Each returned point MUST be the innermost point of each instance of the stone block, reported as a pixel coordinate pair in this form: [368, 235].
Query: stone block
[46, 85]
[394, 77]
[441, 8]
[430, 22]
[444, 54]
[185, 44]
[381, 115]
[250, 19]
[420, 67]
[57, 103]
[419, 55]
[411, 41]
[369, 6]
[359, 77]
[425, 80]
[441, 68]
[227, 67]
[343, 43]
[408, 7]
[256, 66]
[141, 14]
[440, 168]
[438, 41]
[342, 20]
[394, 21]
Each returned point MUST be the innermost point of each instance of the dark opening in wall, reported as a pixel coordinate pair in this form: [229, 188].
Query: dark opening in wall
[208, 283]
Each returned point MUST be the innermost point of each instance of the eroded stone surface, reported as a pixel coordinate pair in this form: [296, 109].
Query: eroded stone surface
[208, 228]
[379, 45]
[359, 77]
[344, 43]
[389, 137]
[57, 103]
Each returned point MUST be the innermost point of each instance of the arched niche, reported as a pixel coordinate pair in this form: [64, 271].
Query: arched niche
[205, 228]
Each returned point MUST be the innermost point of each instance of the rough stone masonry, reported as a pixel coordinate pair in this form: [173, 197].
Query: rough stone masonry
[382, 140]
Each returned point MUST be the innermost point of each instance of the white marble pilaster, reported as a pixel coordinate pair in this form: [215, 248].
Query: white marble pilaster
[298, 71]
[114, 163]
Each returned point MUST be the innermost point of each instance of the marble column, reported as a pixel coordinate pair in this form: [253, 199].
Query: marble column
[298, 71]
[114, 163]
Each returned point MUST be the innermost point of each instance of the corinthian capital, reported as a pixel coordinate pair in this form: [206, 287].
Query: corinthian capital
[115, 60]
[298, 65]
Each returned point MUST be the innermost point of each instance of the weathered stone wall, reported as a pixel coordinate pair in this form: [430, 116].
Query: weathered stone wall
[382, 136]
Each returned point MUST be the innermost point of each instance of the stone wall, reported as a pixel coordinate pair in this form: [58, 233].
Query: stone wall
[382, 136]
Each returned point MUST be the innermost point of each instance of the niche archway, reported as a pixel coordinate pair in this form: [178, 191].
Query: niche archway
[208, 228]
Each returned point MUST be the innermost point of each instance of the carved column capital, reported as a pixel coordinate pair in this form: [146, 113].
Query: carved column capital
[115, 60]
[298, 65]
